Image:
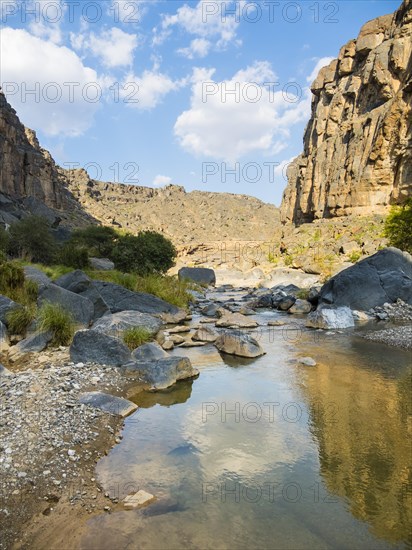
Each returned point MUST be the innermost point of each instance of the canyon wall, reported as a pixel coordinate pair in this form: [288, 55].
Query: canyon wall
[357, 156]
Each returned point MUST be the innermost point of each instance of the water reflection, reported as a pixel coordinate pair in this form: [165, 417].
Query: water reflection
[179, 393]
[360, 418]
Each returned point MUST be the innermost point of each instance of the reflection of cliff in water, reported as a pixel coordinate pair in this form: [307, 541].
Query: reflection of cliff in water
[179, 393]
[360, 421]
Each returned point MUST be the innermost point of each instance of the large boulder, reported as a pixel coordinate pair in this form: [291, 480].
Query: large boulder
[116, 323]
[33, 274]
[162, 373]
[200, 275]
[383, 277]
[101, 264]
[331, 318]
[79, 283]
[119, 298]
[149, 352]
[239, 343]
[229, 319]
[6, 305]
[301, 306]
[81, 308]
[205, 334]
[93, 346]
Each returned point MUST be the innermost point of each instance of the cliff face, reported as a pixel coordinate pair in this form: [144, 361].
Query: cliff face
[357, 155]
[27, 170]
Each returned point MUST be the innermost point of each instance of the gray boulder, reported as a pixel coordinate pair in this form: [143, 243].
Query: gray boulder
[92, 346]
[79, 283]
[200, 275]
[284, 303]
[331, 318]
[301, 306]
[149, 352]
[162, 373]
[108, 403]
[6, 305]
[101, 264]
[32, 344]
[211, 310]
[116, 323]
[383, 277]
[119, 298]
[240, 344]
[81, 308]
[205, 334]
[33, 274]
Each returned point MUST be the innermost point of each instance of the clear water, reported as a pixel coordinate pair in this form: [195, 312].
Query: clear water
[269, 454]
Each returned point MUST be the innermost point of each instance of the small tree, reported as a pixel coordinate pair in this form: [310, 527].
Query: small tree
[149, 252]
[31, 238]
[74, 256]
[398, 226]
[99, 240]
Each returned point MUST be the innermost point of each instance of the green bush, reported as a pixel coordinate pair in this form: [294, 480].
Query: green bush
[148, 252]
[75, 256]
[98, 240]
[398, 226]
[303, 293]
[136, 336]
[128, 280]
[54, 318]
[31, 239]
[354, 256]
[19, 319]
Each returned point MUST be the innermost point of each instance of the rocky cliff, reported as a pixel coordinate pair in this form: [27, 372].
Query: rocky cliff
[357, 156]
[27, 170]
[185, 217]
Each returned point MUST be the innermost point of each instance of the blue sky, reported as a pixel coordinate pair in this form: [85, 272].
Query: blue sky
[209, 95]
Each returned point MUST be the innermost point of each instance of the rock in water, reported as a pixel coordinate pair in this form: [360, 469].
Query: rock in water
[162, 373]
[301, 306]
[108, 403]
[138, 500]
[205, 334]
[357, 145]
[307, 361]
[148, 352]
[383, 277]
[92, 346]
[200, 275]
[331, 318]
[238, 343]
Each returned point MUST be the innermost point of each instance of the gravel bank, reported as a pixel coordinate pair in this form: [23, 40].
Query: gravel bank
[400, 337]
[50, 443]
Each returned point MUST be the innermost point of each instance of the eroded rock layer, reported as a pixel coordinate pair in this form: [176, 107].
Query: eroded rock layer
[357, 156]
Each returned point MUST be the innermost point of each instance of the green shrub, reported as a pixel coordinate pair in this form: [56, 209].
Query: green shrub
[54, 318]
[302, 294]
[31, 239]
[98, 240]
[398, 226]
[19, 319]
[4, 240]
[148, 252]
[170, 289]
[11, 276]
[136, 336]
[74, 256]
[354, 256]
[128, 280]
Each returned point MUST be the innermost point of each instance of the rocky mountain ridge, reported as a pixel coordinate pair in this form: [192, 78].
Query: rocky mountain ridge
[357, 156]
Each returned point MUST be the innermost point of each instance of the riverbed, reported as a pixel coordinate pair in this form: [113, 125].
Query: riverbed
[269, 453]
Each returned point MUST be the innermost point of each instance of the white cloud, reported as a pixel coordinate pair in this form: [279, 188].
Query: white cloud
[114, 47]
[254, 119]
[323, 62]
[161, 181]
[148, 90]
[199, 47]
[30, 63]
[207, 20]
